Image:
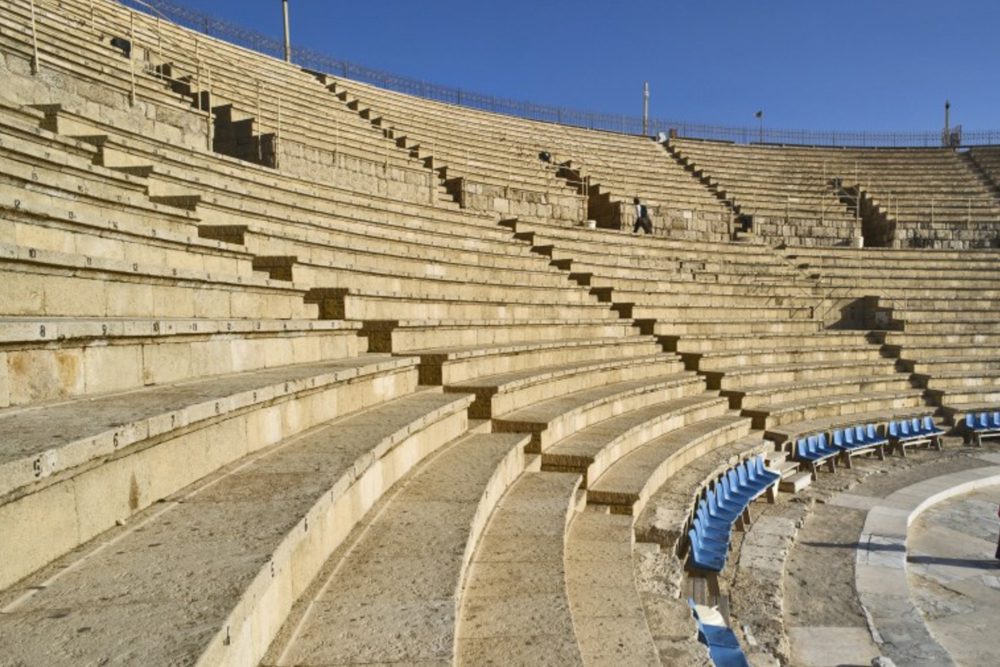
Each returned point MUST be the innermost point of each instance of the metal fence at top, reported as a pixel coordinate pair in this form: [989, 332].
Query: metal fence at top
[619, 123]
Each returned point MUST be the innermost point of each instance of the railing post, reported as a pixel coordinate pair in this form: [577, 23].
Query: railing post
[34, 41]
[131, 56]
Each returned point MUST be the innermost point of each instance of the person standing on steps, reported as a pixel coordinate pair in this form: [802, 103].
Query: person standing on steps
[641, 218]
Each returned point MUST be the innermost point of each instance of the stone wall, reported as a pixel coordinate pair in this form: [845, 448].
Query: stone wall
[513, 201]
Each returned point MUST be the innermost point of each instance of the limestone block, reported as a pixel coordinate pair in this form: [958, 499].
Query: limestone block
[44, 374]
[164, 362]
[112, 368]
[211, 303]
[23, 293]
[210, 358]
[171, 301]
[37, 528]
[131, 300]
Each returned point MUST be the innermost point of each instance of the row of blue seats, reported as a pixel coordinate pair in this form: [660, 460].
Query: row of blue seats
[723, 645]
[979, 425]
[861, 438]
[905, 432]
[816, 449]
[722, 507]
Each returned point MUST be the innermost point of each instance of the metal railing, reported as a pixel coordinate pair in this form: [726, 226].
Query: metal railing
[619, 123]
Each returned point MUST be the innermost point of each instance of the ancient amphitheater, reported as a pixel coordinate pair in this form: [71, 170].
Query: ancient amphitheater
[297, 370]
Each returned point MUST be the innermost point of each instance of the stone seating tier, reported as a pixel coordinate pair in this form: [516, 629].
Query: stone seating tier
[339, 472]
[134, 448]
[59, 358]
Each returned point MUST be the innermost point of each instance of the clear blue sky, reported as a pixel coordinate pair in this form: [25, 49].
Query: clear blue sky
[847, 65]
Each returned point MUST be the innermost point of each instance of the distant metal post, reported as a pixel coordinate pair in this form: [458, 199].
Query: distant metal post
[645, 108]
[288, 39]
[34, 41]
[946, 137]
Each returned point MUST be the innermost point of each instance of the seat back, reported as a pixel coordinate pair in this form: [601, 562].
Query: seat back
[822, 442]
[859, 434]
[743, 473]
[734, 480]
[838, 438]
[983, 420]
[905, 429]
[812, 444]
[872, 433]
[970, 421]
[995, 419]
[849, 437]
[929, 426]
[893, 429]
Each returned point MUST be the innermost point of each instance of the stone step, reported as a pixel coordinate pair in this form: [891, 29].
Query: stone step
[710, 343]
[60, 358]
[754, 378]
[552, 420]
[366, 306]
[451, 365]
[53, 284]
[671, 328]
[599, 579]
[627, 484]
[777, 414]
[795, 483]
[497, 395]
[423, 532]
[761, 397]
[518, 577]
[409, 336]
[985, 394]
[593, 449]
[221, 562]
[739, 364]
[89, 462]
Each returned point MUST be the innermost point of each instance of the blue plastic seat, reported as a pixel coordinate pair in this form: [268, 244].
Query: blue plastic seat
[872, 435]
[720, 509]
[838, 439]
[710, 542]
[758, 471]
[995, 420]
[930, 427]
[860, 437]
[970, 422]
[710, 531]
[704, 559]
[716, 523]
[745, 473]
[893, 429]
[727, 495]
[736, 492]
[983, 421]
[905, 429]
